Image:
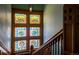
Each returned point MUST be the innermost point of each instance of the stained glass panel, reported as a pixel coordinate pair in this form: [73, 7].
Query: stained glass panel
[34, 19]
[20, 31]
[35, 43]
[34, 31]
[20, 18]
[20, 45]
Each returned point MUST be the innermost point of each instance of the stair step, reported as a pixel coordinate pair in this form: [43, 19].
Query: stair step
[23, 53]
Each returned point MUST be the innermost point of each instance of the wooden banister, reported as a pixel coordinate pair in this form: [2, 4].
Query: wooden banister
[4, 48]
[50, 45]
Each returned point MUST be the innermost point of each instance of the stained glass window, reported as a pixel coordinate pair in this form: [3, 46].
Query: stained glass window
[34, 31]
[20, 45]
[20, 31]
[35, 43]
[27, 30]
[34, 19]
[20, 18]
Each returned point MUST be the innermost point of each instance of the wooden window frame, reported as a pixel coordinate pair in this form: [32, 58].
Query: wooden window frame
[28, 38]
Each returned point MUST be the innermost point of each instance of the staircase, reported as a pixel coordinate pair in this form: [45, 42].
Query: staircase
[4, 50]
[54, 46]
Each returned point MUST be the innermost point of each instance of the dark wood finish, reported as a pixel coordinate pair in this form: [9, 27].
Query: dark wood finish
[68, 28]
[45, 49]
[76, 30]
[0, 52]
[71, 29]
[31, 49]
[27, 25]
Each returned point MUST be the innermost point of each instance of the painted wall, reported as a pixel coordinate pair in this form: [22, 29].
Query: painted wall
[5, 25]
[53, 20]
[37, 7]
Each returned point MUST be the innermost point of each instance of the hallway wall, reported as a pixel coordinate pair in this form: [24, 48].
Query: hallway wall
[5, 25]
[53, 20]
[35, 7]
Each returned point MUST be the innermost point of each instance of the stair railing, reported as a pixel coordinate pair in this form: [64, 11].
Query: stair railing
[4, 48]
[54, 46]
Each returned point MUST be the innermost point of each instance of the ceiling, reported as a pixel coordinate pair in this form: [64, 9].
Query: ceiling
[35, 7]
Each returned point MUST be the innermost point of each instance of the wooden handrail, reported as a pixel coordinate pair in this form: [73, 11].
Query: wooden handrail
[48, 42]
[4, 48]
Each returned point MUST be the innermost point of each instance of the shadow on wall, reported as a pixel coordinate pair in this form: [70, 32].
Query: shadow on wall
[5, 25]
[53, 20]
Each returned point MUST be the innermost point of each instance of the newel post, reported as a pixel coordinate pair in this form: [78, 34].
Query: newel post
[31, 49]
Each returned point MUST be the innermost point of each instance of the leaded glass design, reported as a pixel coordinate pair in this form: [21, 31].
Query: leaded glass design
[20, 18]
[34, 31]
[20, 31]
[34, 19]
[20, 45]
[35, 43]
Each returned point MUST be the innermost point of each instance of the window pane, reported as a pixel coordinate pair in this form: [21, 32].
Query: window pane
[20, 18]
[34, 31]
[35, 43]
[20, 45]
[34, 19]
[20, 31]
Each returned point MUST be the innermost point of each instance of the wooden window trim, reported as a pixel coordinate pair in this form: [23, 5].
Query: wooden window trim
[27, 26]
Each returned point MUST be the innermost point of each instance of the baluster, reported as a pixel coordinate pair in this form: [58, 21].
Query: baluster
[0, 52]
[55, 46]
[43, 51]
[52, 48]
[58, 44]
[49, 48]
[62, 44]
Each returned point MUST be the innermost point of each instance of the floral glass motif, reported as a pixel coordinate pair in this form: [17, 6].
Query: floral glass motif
[20, 18]
[20, 31]
[35, 43]
[34, 31]
[20, 45]
[34, 19]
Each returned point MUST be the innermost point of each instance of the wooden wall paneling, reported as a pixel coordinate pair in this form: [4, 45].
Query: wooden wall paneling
[71, 29]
